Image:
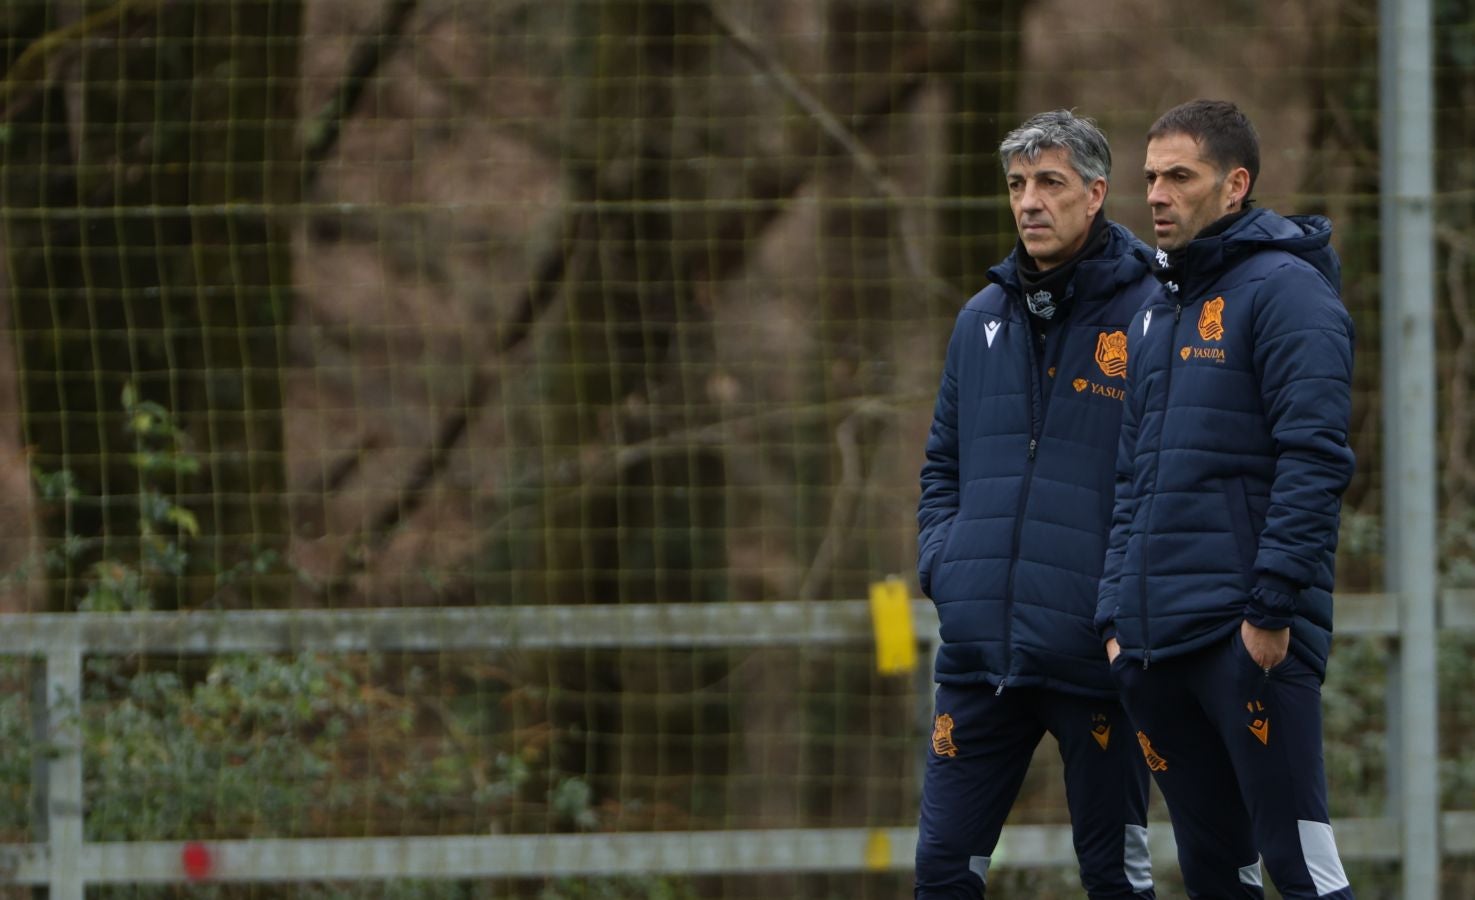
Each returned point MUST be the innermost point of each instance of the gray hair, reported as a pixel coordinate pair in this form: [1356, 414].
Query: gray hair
[1078, 136]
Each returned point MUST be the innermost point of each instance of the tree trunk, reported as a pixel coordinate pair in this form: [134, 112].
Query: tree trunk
[1454, 131]
[617, 372]
[138, 188]
[1344, 185]
[977, 227]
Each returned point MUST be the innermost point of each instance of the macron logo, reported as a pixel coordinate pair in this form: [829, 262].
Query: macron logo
[989, 330]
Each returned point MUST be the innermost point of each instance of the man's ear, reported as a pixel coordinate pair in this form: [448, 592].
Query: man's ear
[1238, 185]
[1097, 191]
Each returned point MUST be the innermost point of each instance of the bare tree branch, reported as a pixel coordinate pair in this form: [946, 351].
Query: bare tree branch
[1459, 476]
[327, 126]
[718, 261]
[864, 161]
[31, 72]
[842, 504]
[453, 429]
[581, 473]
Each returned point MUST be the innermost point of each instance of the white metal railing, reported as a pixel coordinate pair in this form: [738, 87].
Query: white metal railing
[66, 863]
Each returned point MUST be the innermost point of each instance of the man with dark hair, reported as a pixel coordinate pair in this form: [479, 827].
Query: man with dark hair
[1015, 509]
[1216, 602]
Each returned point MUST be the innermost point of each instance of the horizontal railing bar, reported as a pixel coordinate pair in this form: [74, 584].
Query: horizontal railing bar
[1457, 609]
[585, 855]
[1457, 833]
[440, 629]
[1365, 614]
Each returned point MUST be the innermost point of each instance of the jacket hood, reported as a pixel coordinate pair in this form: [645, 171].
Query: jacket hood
[1306, 237]
[1122, 261]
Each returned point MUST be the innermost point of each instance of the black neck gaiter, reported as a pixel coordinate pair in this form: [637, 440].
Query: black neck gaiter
[1167, 265]
[1044, 292]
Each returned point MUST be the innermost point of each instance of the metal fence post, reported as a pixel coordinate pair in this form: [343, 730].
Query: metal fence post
[1409, 421]
[63, 751]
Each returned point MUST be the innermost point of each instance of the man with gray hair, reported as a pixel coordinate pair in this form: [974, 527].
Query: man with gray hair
[1016, 506]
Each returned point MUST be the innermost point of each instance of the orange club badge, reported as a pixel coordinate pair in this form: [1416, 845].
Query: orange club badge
[1111, 353]
[1211, 320]
[942, 736]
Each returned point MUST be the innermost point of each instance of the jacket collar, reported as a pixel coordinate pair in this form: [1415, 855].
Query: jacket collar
[1209, 257]
[1120, 261]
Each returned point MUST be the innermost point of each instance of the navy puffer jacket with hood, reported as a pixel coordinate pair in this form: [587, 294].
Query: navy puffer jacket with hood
[1017, 488]
[1234, 452]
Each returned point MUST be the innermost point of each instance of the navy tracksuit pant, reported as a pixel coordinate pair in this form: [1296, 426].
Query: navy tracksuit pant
[1237, 755]
[980, 750]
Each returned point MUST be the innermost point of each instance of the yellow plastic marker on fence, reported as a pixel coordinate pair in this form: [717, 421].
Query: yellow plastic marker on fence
[891, 616]
[878, 850]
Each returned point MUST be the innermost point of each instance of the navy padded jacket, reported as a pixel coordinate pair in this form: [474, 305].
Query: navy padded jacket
[1234, 452]
[1017, 492]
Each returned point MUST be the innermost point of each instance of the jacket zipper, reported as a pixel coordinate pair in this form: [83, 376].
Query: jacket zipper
[1157, 475]
[1035, 401]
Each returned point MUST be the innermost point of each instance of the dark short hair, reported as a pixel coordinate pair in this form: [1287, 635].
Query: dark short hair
[1227, 136]
[1062, 129]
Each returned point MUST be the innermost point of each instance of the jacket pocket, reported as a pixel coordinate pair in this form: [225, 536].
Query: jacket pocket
[1240, 523]
[933, 559]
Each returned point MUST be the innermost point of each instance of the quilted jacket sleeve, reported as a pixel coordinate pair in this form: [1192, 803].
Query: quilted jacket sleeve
[1303, 359]
[939, 503]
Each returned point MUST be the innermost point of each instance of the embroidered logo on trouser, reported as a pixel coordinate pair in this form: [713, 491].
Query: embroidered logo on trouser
[942, 736]
[1259, 725]
[1154, 762]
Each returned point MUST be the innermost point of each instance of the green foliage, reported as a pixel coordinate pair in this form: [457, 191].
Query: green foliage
[160, 454]
[16, 751]
[1457, 552]
[313, 745]
[1455, 34]
[1457, 720]
[572, 799]
[365, 890]
[1361, 534]
[617, 889]
[260, 746]
[55, 487]
[252, 739]
[614, 888]
[162, 459]
[116, 587]
[1355, 725]
[1362, 537]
